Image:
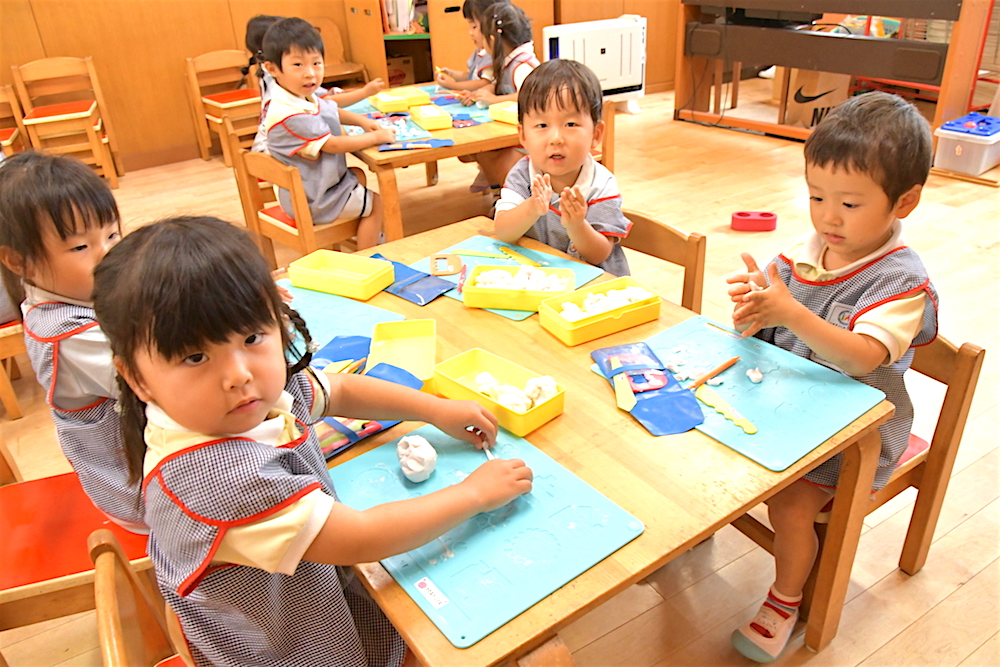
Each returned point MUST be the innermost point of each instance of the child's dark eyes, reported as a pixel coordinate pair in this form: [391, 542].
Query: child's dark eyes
[78, 248]
[846, 205]
[195, 359]
[816, 199]
[254, 339]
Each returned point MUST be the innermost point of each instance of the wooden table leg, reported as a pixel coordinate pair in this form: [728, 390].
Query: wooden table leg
[392, 216]
[553, 653]
[432, 172]
[857, 472]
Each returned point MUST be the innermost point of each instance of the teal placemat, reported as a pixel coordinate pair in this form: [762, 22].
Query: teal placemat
[491, 568]
[584, 272]
[329, 315]
[796, 407]
[406, 129]
[477, 114]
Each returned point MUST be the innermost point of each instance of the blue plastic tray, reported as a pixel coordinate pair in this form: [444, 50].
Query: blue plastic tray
[491, 568]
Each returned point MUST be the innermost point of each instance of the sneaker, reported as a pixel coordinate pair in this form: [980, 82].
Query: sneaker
[764, 638]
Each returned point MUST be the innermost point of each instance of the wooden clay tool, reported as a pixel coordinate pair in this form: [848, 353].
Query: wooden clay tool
[712, 373]
[623, 393]
[445, 264]
[480, 253]
[518, 257]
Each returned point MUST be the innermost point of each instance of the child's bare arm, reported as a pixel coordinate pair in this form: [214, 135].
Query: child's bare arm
[486, 94]
[855, 354]
[593, 246]
[374, 134]
[469, 85]
[510, 225]
[350, 536]
[349, 97]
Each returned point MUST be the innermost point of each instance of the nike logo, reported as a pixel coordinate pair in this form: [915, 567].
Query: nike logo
[805, 99]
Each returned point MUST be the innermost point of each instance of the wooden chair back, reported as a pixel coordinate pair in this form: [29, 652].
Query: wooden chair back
[217, 73]
[10, 473]
[335, 64]
[237, 142]
[657, 238]
[11, 345]
[131, 618]
[12, 135]
[926, 467]
[607, 155]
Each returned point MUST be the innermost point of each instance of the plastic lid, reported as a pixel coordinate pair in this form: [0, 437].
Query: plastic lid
[974, 124]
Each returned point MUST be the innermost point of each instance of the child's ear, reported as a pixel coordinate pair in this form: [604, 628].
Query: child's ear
[13, 260]
[908, 201]
[134, 381]
[272, 68]
[520, 133]
[598, 134]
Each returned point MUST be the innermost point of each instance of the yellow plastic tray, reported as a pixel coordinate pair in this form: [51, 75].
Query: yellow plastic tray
[409, 344]
[340, 273]
[431, 117]
[456, 378]
[505, 112]
[414, 96]
[603, 324]
[388, 102]
[510, 299]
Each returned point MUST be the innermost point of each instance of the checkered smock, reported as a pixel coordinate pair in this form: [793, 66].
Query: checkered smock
[479, 62]
[604, 210]
[238, 615]
[90, 436]
[895, 275]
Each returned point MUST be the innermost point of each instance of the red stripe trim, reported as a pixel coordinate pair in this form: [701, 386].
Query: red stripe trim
[902, 295]
[62, 336]
[842, 278]
[596, 201]
[191, 583]
[778, 610]
[761, 630]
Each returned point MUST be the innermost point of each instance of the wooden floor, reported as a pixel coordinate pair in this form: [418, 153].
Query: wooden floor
[695, 177]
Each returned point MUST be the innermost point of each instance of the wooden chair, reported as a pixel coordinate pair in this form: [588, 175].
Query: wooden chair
[606, 154]
[45, 572]
[272, 224]
[927, 467]
[131, 614]
[238, 140]
[213, 89]
[11, 344]
[656, 238]
[335, 67]
[65, 112]
[13, 137]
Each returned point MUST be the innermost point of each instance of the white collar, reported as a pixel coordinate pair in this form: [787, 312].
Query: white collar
[267, 432]
[814, 247]
[296, 103]
[34, 295]
[524, 48]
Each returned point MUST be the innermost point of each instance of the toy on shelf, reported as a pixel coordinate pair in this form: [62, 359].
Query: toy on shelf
[754, 221]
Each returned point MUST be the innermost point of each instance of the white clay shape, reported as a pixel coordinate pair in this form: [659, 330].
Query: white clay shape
[540, 389]
[417, 457]
[715, 382]
[755, 375]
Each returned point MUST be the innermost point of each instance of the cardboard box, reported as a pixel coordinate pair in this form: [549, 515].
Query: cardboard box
[400, 71]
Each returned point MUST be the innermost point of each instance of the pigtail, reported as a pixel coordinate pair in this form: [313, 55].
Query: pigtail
[133, 427]
[509, 28]
[302, 364]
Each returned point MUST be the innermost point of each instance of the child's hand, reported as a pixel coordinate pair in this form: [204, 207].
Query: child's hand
[764, 308]
[484, 95]
[499, 481]
[383, 135]
[541, 194]
[466, 420]
[573, 206]
[445, 77]
[370, 125]
[747, 281]
[467, 99]
[374, 86]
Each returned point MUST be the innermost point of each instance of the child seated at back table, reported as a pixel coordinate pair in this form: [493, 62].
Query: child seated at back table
[477, 71]
[849, 295]
[304, 131]
[559, 194]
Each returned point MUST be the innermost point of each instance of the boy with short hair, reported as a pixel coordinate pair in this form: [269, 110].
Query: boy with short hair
[559, 194]
[304, 130]
[849, 295]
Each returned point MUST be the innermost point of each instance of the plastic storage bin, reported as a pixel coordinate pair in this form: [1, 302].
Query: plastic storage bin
[409, 344]
[969, 145]
[388, 102]
[602, 324]
[431, 117]
[352, 276]
[456, 378]
[414, 96]
[505, 112]
[510, 299]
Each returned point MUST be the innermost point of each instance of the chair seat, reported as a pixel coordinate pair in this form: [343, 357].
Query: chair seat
[915, 446]
[172, 661]
[276, 214]
[7, 135]
[45, 524]
[232, 98]
[56, 112]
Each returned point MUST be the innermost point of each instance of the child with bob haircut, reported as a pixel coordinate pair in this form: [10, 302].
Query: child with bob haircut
[57, 221]
[849, 295]
[304, 131]
[559, 194]
[477, 72]
[246, 534]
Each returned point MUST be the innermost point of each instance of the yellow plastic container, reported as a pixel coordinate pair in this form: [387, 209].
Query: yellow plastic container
[388, 102]
[431, 117]
[602, 324]
[340, 273]
[511, 299]
[414, 96]
[505, 112]
[409, 344]
[456, 378]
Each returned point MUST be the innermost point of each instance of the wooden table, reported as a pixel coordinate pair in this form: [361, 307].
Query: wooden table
[468, 140]
[683, 488]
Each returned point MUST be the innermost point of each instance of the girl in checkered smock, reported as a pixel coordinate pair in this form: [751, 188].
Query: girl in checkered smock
[57, 220]
[849, 295]
[246, 534]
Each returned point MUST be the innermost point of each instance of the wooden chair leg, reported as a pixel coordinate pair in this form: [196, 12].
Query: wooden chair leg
[226, 157]
[432, 173]
[923, 521]
[8, 397]
[267, 248]
[553, 653]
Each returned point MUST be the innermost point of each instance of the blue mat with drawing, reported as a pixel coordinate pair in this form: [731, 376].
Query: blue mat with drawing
[329, 315]
[584, 272]
[491, 568]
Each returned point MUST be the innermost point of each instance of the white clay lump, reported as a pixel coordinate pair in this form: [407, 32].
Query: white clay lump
[537, 391]
[417, 457]
[755, 375]
[602, 302]
[527, 278]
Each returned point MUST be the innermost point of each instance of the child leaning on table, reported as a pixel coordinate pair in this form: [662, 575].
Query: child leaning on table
[849, 295]
[558, 194]
[477, 72]
[246, 533]
[254, 40]
[304, 131]
[57, 221]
